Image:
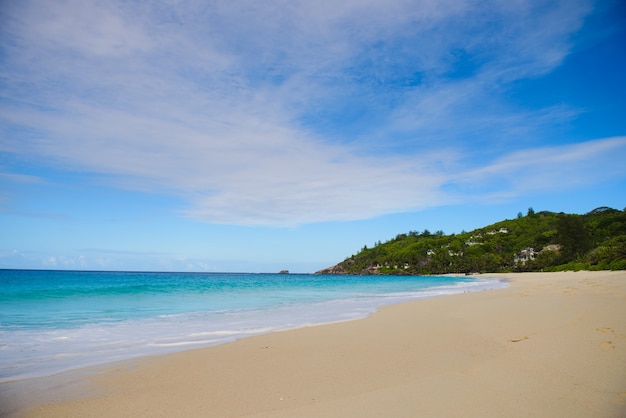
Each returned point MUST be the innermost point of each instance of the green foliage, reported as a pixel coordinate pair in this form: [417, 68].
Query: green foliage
[594, 241]
[573, 236]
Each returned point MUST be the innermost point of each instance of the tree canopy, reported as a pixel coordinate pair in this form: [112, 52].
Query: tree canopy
[539, 241]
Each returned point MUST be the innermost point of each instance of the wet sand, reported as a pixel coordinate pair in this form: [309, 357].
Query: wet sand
[551, 344]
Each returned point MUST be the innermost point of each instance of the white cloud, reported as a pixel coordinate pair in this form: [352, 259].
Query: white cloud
[21, 178]
[50, 261]
[551, 168]
[212, 101]
[11, 257]
[77, 27]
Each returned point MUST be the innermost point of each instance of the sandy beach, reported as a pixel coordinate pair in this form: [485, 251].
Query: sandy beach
[549, 345]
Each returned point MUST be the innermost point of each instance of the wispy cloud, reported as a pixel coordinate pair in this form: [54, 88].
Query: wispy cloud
[548, 169]
[21, 178]
[284, 113]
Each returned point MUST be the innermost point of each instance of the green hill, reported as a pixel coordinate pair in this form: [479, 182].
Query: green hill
[543, 241]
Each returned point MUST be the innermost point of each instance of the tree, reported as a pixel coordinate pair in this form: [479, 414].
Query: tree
[531, 212]
[574, 238]
[596, 240]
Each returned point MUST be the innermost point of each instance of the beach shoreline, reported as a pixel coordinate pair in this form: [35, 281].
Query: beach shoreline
[90, 318]
[550, 344]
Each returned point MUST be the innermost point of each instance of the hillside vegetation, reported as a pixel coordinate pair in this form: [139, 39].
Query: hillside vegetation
[543, 241]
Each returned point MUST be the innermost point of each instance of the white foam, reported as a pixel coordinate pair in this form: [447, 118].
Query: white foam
[31, 353]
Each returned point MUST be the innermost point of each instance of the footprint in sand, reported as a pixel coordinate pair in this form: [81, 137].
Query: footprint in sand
[607, 345]
[591, 283]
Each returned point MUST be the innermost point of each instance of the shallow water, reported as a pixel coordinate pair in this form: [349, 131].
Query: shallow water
[51, 321]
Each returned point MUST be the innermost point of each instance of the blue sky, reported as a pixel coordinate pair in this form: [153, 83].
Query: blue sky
[258, 136]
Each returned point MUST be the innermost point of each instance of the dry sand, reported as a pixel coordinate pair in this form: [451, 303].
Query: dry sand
[550, 345]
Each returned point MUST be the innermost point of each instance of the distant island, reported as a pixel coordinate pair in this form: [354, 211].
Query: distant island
[542, 241]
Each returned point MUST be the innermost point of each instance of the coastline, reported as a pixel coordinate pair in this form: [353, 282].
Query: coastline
[550, 344]
[97, 321]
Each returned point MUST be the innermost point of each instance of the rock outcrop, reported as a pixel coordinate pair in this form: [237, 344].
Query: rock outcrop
[341, 269]
[337, 269]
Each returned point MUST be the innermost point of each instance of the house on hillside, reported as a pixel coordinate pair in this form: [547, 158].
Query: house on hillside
[525, 255]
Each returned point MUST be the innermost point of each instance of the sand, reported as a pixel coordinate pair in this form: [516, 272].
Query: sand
[550, 345]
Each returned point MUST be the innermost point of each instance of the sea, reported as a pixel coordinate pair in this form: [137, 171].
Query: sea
[55, 321]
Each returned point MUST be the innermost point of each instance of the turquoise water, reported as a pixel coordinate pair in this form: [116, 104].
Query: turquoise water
[52, 321]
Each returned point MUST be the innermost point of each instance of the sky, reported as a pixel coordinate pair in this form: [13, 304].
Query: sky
[247, 136]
